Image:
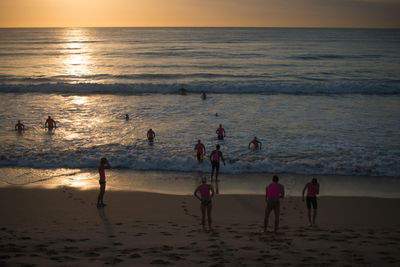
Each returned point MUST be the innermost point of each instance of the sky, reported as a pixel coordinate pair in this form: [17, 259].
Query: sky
[200, 13]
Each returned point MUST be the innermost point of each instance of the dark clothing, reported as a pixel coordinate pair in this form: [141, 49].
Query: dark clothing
[311, 201]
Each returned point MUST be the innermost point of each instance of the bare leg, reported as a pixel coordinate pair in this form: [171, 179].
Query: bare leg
[101, 194]
[309, 217]
[203, 215]
[276, 211]
[314, 216]
[209, 208]
[267, 212]
[212, 170]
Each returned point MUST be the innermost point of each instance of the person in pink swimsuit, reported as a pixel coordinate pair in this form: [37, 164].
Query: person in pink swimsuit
[103, 164]
[256, 144]
[215, 157]
[311, 199]
[220, 132]
[205, 198]
[151, 135]
[273, 193]
[201, 151]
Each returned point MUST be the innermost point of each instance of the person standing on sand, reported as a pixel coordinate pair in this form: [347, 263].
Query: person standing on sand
[205, 199]
[220, 133]
[311, 199]
[19, 126]
[273, 193]
[201, 151]
[50, 123]
[103, 164]
[256, 144]
[215, 157]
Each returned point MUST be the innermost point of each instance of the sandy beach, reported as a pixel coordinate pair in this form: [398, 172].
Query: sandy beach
[63, 227]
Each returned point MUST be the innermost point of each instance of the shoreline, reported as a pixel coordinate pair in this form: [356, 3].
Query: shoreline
[184, 183]
[63, 226]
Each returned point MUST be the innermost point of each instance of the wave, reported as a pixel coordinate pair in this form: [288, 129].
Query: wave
[166, 84]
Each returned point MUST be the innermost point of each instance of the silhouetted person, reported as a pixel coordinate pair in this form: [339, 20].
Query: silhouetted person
[19, 126]
[311, 199]
[151, 135]
[203, 96]
[127, 117]
[215, 158]
[273, 193]
[103, 164]
[220, 132]
[256, 144]
[50, 123]
[205, 197]
[201, 151]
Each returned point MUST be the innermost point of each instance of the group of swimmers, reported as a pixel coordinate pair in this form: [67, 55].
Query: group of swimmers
[49, 124]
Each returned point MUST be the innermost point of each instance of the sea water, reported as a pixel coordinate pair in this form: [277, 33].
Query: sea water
[321, 101]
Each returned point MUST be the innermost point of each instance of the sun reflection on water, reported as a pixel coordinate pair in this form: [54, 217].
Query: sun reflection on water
[77, 60]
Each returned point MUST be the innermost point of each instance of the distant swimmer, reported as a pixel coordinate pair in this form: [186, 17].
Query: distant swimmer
[256, 144]
[19, 126]
[127, 117]
[311, 199]
[50, 123]
[103, 164]
[182, 91]
[216, 114]
[273, 193]
[205, 198]
[203, 96]
[220, 132]
[151, 135]
[215, 158]
[201, 151]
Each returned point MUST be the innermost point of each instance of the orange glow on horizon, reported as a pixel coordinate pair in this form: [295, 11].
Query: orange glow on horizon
[199, 13]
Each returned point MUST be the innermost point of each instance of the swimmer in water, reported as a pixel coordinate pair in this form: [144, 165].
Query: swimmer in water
[127, 117]
[50, 123]
[151, 135]
[203, 96]
[220, 132]
[256, 144]
[215, 157]
[205, 198]
[201, 151]
[19, 126]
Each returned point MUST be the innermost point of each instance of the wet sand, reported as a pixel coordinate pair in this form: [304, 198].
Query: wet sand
[63, 227]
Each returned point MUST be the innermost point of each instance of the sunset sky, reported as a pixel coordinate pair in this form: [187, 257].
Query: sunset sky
[242, 13]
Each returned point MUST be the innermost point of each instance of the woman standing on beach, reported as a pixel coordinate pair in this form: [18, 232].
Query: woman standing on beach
[103, 164]
[205, 198]
[311, 199]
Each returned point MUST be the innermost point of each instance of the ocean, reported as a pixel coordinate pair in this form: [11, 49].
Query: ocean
[321, 101]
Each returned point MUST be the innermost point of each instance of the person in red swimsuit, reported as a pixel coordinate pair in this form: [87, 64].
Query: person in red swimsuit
[205, 198]
[311, 199]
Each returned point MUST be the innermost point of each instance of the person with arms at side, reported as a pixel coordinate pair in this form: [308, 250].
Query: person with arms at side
[103, 164]
[256, 144]
[273, 193]
[220, 133]
[19, 126]
[151, 135]
[215, 158]
[311, 199]
[205, 198]
[201, 151]
[127, 117]
[50, 123]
